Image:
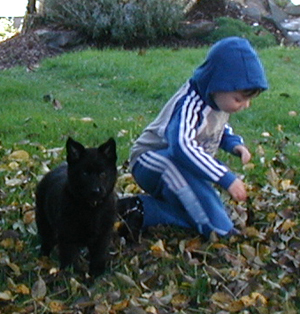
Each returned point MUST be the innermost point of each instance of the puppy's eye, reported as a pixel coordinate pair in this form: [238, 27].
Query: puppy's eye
[102, 175]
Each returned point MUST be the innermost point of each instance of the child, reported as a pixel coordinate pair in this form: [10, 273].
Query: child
[173, 159]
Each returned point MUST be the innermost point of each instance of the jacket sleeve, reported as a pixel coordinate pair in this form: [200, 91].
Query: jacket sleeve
[230, 140]
[181, 133]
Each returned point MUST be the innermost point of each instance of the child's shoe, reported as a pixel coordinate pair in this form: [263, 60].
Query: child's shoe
[132, 213]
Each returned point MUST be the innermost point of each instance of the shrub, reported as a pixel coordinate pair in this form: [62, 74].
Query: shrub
[256, 34]
[117, 21]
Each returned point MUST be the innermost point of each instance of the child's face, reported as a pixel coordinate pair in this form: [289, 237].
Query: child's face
[232, 101]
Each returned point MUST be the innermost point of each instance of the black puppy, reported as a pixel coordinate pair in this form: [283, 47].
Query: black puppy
[75, 205]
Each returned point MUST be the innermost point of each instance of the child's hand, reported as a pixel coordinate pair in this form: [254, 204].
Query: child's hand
[237, 190]
[243, 152]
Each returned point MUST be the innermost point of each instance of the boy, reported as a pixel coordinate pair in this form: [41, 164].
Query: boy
[173, 159]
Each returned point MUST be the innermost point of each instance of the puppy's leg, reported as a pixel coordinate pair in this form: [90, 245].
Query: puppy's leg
[45, 233]
[98, 256]
[67, 254]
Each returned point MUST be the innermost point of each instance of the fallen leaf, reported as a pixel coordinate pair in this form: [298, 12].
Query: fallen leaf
[39, 289]
[6, 296]
[56, 306]
[19, 155]
[126, 279]
[287, 225]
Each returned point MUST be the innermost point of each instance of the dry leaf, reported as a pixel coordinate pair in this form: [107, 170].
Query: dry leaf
[126, 279]
[87, 119]
[180, 301]
[6, 296]
[39, 289]
[56, 306]
[293, 113]
[29, 217]
[287, 225]
[248, 251]
[19, 155]
[22, 289]
[222, 299]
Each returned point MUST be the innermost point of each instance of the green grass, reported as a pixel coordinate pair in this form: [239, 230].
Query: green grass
[122, 91]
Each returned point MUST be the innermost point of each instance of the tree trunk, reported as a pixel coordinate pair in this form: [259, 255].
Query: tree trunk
[29, 16]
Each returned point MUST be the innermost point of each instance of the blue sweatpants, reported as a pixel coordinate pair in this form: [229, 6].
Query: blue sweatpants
[177, 197]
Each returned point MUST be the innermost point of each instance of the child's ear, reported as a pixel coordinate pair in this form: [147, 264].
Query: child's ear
[109, 149]
[74, 150]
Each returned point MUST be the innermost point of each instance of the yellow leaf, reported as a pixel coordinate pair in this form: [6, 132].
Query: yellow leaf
[248, 301]
[249, 166]
[151, 309]
[193, 245]
[15, 268]
[6, 296]
[8, 243]
[158, 250]
[75, 285]
[222, 299]
[120, 306]
[56, 306]
[271, 217]
[29, 217]
[236, 306]
[132, 188]
[179, 300]
[285, 184]
[259, 297]
[219, 246]
[22, 289]
[288, 224]
[19, 155]
[13, 165]
[158, 246]
[252, 232]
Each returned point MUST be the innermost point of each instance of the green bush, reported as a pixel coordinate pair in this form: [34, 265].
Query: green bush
[117, 21]
[256, 34]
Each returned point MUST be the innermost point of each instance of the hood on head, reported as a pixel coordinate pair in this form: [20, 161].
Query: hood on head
[231, 64]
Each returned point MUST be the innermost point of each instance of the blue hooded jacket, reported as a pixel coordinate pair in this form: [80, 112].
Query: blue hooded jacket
[231, 64]
[190, 126]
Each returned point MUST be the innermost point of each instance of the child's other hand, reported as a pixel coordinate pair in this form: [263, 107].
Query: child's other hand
[237, 190]
[243, 152]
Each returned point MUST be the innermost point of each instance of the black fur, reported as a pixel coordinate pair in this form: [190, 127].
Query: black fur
[75, 204]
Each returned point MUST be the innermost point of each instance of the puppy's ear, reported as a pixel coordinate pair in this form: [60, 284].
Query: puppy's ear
[74, 150]
[109, 150]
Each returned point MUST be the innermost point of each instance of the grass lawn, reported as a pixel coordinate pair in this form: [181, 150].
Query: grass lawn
[92, 95]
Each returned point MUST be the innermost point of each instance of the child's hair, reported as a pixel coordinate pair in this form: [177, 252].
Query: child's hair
[252, 92]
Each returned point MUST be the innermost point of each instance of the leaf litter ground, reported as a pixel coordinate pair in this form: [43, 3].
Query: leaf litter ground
[170, 270]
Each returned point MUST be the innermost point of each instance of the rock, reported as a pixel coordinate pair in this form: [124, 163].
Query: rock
[195, 29]
[292, 9]
[59, 39]
[277, 14]
[255, 9]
